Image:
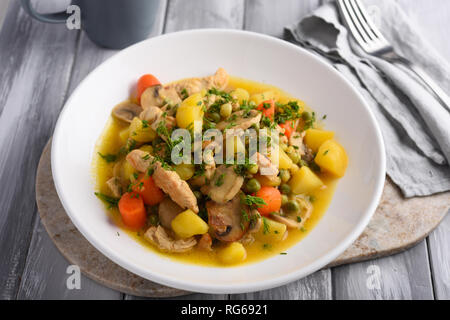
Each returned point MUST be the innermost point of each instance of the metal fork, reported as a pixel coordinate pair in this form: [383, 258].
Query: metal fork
[374, 43]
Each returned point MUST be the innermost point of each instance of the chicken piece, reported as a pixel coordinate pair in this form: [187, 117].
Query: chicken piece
[169, 181]
[224, 185]
[247, 239]
[115, 186]
[240, 120]
[167, 211]
[194, 85]
[166, 243]
[205, 242]
[283, 138]
[266, 167]
[178, 189]
[155, 116]
[255, 221]
[140, 160]
[210, 165]
[296, 140]
[226, 220]
[286, 221]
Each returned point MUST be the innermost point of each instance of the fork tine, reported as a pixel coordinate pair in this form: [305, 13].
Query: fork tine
[356, 7]
[359, 8]
[352, 21]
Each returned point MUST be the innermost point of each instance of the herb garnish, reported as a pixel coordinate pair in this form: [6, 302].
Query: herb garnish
[108, 157]
[220, 180]
[111, 201]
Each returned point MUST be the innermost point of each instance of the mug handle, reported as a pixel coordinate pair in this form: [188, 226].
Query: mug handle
[58, 17]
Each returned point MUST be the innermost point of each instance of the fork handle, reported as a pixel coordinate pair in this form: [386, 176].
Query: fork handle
[430, 83]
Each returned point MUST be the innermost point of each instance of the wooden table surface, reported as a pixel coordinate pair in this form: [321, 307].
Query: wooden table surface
[41, 64]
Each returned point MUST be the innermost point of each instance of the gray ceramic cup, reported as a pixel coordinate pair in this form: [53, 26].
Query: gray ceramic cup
[112, 24]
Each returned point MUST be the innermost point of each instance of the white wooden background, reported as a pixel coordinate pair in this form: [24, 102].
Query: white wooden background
[41, 64]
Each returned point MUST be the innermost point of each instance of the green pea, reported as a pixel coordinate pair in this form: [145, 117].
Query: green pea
[285, 175]
[295, 157]
[214, 117]
[306, 116]
[225, 110]
[284, 199]
[291, 207]
[252, 185]
[285, 189]
[253, 169]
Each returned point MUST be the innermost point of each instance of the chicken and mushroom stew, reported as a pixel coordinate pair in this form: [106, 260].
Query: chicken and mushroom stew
[179, 194]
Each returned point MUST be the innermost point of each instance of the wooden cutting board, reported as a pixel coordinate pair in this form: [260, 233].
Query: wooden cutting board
[397, 224]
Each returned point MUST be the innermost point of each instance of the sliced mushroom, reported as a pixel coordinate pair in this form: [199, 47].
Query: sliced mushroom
[226, 220]
[126, 111]
[167, 211]
[166, 243]
[224, 185]
[157, 96]
[242, 120]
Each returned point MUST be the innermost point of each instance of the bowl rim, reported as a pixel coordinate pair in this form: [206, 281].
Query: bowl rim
[243, 287]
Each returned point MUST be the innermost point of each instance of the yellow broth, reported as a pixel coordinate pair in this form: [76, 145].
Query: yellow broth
[109, 143]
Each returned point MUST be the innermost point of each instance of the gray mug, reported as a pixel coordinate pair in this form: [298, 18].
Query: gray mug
[113, 24]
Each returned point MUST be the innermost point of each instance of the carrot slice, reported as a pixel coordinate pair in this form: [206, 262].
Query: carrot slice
[144, 82]
[145, 186]
[272, 198]
[132, 210]
[267, 108]
[288, 128]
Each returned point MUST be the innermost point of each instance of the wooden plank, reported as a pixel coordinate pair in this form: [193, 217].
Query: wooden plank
[434, 24]
[270, 17]
[38, 282]
[193, 14]
[46, 274]
[317, 286]
[439, 251]
[402, 276]
[36, 62]
[3, 9]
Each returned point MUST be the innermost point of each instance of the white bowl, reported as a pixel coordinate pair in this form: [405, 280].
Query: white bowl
[243, 54]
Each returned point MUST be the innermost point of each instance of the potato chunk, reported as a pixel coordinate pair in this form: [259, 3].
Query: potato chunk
[190, 110]
[188, 224]
[240, 94]
[315, 137]
[271, 231]
[332, 158]
[232, 253]
[284, 162]
[141, 131]
[259, 98]
[305, 181]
